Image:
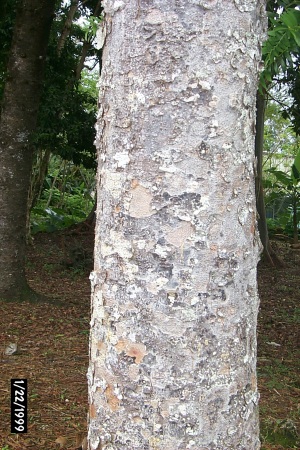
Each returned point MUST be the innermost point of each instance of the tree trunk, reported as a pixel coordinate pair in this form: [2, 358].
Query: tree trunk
[38, 174]
[86, 46]
[295, 218]
[268, 252]
[67, 26]
[18, 120]
[174, 291]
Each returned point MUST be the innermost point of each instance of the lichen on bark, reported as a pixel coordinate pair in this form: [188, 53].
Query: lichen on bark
[174, 294]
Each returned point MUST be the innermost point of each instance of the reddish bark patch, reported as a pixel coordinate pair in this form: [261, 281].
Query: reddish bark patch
[132, 349]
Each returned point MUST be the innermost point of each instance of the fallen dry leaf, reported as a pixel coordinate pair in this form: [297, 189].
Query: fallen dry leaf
[62, 441]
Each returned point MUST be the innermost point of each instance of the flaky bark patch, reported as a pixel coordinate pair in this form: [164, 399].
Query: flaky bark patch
[174, 291]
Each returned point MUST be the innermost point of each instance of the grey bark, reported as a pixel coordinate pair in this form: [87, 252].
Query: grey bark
[174, 291]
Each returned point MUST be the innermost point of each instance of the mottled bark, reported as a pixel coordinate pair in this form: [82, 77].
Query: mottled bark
[174, 291]
[18, 120]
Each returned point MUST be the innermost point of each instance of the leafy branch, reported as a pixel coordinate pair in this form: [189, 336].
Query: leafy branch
[282, 44]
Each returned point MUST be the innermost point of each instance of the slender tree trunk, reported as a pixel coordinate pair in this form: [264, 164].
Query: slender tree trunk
[91, 218]
[86, 46]
[67, 26]
[38, 175]
[174, 291]
[18, 120]
[295, 221]
[268, 252]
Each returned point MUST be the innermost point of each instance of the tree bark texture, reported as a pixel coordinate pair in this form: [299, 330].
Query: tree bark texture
[18, 120]
[174, 291]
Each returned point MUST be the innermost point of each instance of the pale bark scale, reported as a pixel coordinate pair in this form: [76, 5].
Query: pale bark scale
[174, 291]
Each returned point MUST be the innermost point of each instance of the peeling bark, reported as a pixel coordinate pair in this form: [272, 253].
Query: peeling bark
[174, 291]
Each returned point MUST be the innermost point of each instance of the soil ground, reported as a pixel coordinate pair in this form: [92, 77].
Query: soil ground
[53, 347]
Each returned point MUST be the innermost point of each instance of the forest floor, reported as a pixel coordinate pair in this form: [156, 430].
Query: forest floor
[53, 347]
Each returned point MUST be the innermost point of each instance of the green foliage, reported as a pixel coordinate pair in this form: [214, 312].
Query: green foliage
[283, 181]
[279, 5]
[281, 55]
[282, 224]
[291, 82]
[90, 28]
[88, 87]
[283, 189]
[280, 432]
[282, 44]
[67, 197]
[296, 169]
[281, 167]
[67, 116]
[280, 141]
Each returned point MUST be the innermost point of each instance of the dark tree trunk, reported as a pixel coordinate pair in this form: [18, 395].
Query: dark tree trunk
[18, 120]
[90, 221]
[268, 252]
[295, 221]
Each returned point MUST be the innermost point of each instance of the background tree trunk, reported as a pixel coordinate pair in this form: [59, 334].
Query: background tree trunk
[38, 175]
[86, 45]
[174, 291]
[268, 251]
[295, 197]
[67, 26]
[18, 120]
